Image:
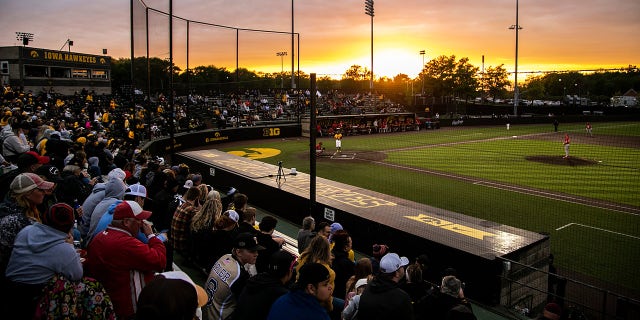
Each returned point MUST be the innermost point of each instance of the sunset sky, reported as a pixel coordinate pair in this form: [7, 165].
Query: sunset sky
[334, 35]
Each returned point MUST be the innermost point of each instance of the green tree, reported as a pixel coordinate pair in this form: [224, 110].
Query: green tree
[495, 80]
[444, 76]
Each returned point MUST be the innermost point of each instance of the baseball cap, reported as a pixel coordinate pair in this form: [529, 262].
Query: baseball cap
[361, 282]
[391, 262]
[30, 158]
[247, 241]
[180, 275]
[130, 209]
[28, 181]
[137, 190]
[233, 215]
[280, 263]
[188, 184]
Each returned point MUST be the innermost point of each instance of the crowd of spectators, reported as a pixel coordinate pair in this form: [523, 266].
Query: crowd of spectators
[90, 227]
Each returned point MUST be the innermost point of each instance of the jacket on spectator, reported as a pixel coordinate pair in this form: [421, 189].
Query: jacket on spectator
[382, 299]
[40, 252]
[260, 292]
[13, 146]
[72, 188]
[344, 269]
[97, 194]
[124, 265]
[12, 221]
[114, 191]
[298, 305]
[438, 305]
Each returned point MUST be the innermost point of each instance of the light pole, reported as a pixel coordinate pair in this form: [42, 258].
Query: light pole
[368, 10]
[281, 54]
[515, 91]
[422, 52]
[293, 52]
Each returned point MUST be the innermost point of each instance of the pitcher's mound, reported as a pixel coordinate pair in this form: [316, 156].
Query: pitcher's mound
[560, 160]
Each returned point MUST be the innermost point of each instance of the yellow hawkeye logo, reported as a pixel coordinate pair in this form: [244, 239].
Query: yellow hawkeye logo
[256, 153]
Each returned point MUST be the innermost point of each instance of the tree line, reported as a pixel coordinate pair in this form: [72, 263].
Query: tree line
[442, 80]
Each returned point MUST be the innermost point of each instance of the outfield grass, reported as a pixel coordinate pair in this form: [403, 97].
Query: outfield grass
[597, 242]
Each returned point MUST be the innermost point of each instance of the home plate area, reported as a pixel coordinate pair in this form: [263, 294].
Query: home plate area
[343, 156]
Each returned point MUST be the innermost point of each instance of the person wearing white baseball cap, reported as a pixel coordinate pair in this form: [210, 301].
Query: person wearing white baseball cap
[383, 299]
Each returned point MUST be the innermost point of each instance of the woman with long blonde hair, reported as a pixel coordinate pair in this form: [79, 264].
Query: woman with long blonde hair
[319, 251]
[209, 212]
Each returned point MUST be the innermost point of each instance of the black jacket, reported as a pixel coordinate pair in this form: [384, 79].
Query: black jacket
[438, 305]
[260, 292]
[382, 299]
[344, 269]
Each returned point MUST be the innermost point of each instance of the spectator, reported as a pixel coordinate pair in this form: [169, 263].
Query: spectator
[343, 267]
[248, 221]
[306, 233]
[379, 250]
[415, 285]
[362, 270]
[114, 191]
[74, 189]
[268, 241]
[223, 233]
[228, 277]
[123, 263]
[97, 194]
[135, 192]
[202, 226]
[182, 220]
[171, 296]
[324, 229]
[29, 161]
[240, 201]
[262, 290]
[16, 143]
[305, 301]
[19, 210]
[382, 299]
[351, 309]
[447, 303]
[319, 251]
[40, 252]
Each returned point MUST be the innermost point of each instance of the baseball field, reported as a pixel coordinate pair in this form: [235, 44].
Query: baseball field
[589, 203]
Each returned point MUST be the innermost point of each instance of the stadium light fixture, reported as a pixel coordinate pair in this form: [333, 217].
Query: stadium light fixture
[25, 37]
[368, 10]
[281, 54]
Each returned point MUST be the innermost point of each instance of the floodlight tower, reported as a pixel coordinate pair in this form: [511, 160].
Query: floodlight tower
[515, 91]
[281, 54]
[422, 53]
[25, 37]
[368, 10]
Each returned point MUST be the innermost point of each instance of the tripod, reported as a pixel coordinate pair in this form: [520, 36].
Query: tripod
[280, 175]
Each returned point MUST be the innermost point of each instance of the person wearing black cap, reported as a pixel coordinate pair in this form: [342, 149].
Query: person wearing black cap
[228, 277]
[265, 288]
[304, 301]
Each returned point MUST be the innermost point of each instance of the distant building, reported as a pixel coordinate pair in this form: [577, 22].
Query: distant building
[39, 69]
[628, 99]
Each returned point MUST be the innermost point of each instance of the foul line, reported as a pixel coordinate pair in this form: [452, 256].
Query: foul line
[599, 229]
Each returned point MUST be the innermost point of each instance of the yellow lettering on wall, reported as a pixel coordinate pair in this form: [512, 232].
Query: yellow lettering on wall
[451, 226]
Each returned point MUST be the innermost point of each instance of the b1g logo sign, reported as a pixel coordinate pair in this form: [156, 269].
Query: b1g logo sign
[271, 132]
